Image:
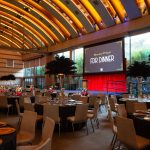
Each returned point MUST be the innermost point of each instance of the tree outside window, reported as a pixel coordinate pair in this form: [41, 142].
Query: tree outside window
[78, 59]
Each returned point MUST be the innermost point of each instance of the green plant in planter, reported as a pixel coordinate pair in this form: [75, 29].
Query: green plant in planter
[61, 66]
[139, 70]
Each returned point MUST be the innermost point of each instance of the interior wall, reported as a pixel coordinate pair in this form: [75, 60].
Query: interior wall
[18, 63]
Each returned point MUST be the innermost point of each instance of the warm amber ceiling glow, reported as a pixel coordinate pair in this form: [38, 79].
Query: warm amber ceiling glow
[42, 23]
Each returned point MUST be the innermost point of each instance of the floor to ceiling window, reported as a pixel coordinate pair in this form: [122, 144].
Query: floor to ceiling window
[34, 71]
[137, 48]
[77, 57]
[74, 82]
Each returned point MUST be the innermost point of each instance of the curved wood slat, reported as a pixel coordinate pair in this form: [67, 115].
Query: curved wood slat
[59, 16]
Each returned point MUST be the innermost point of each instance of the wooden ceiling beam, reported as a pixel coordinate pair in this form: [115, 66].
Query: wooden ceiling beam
[113, 32]
[42, 50]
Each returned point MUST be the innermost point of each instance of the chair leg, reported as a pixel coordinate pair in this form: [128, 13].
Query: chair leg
[92, 124]
[119, 145]
[73, 128]
[59, 129]
[19, 123]
[87, 128]
[97, 122]
[112, 141]
[7, 111]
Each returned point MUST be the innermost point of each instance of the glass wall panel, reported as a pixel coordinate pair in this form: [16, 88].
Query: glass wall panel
[29, 72]
[40, 71]
[127, 50]
[137, 48]
[34, 69]
[140, 47]
[28, 82]
[77, 56]
[66, 54]
[40, 83]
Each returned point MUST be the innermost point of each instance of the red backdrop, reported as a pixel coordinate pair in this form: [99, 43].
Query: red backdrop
[107, 82]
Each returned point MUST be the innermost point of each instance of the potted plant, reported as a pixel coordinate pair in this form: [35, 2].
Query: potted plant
[140, 71]
[61, 66]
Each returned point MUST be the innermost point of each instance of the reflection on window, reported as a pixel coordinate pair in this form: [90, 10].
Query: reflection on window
[29, 72]
[78, 59]
[40, 83]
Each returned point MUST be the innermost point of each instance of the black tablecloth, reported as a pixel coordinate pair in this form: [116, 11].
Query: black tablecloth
[142, 126]
[9, 141]
[64, 112]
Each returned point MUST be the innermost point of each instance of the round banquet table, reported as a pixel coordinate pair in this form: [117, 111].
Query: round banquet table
[142, 125]
[123, 101]
[9, 141]
[64, 112]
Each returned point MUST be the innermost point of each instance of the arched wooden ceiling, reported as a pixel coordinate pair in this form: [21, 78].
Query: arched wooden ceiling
[37, 24]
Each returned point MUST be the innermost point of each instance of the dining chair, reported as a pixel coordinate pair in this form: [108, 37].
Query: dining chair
[121, 110]
[93, 115]
[84, 99]
[75, 97]
[26, 133]
[21, 102]
[92, 99]
[20, 115]
[113, 128]
[30, 107]
[127, 135]
[113, 104]
[47, 133]
[48, 94]
[43, 99]
[52, 111]
[125, 95]
[46, 145]
[80, 115]
[103, 102]
[1, 141]
[27, 100]
[4, 104]
[140, 106]
[29, 94]
[38, 93]
[130, 106]
[37, 98]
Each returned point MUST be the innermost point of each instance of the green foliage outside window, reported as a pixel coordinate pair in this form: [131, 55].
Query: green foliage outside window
[78, 58]
[79, 64]
[141, 54]
[137, 54]
[40, 70]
